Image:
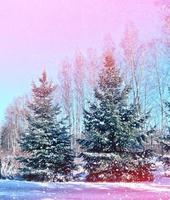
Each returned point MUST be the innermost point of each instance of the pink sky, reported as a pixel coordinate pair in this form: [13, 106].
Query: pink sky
[38, 33]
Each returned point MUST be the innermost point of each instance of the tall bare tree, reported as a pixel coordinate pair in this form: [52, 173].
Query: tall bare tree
[14, 124]
[79, 94]
[66, 91]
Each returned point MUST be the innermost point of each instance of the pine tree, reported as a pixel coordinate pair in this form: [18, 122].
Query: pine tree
[46, 144]
[114, 136]
[165, 140]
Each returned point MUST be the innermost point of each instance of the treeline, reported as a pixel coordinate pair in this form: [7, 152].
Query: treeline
[113, 142]
[143, 66]
[113, 139]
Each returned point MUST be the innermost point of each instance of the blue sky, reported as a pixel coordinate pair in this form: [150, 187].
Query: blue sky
[40, 34]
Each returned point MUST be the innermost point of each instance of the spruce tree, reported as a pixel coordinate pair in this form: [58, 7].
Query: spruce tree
[114, 135]
[165, 140]
[46, 144]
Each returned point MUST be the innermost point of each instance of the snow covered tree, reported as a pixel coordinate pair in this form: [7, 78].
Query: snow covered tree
[46, 145]
[114, 135]
[165, 140]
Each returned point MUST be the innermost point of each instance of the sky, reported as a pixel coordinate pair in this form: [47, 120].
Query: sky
[38, 34]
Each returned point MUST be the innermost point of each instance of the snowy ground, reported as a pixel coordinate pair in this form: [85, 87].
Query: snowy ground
[21, 190]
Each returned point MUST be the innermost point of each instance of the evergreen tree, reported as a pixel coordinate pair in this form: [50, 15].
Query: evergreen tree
[165, 140]
[46, 144]
[114, 135]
